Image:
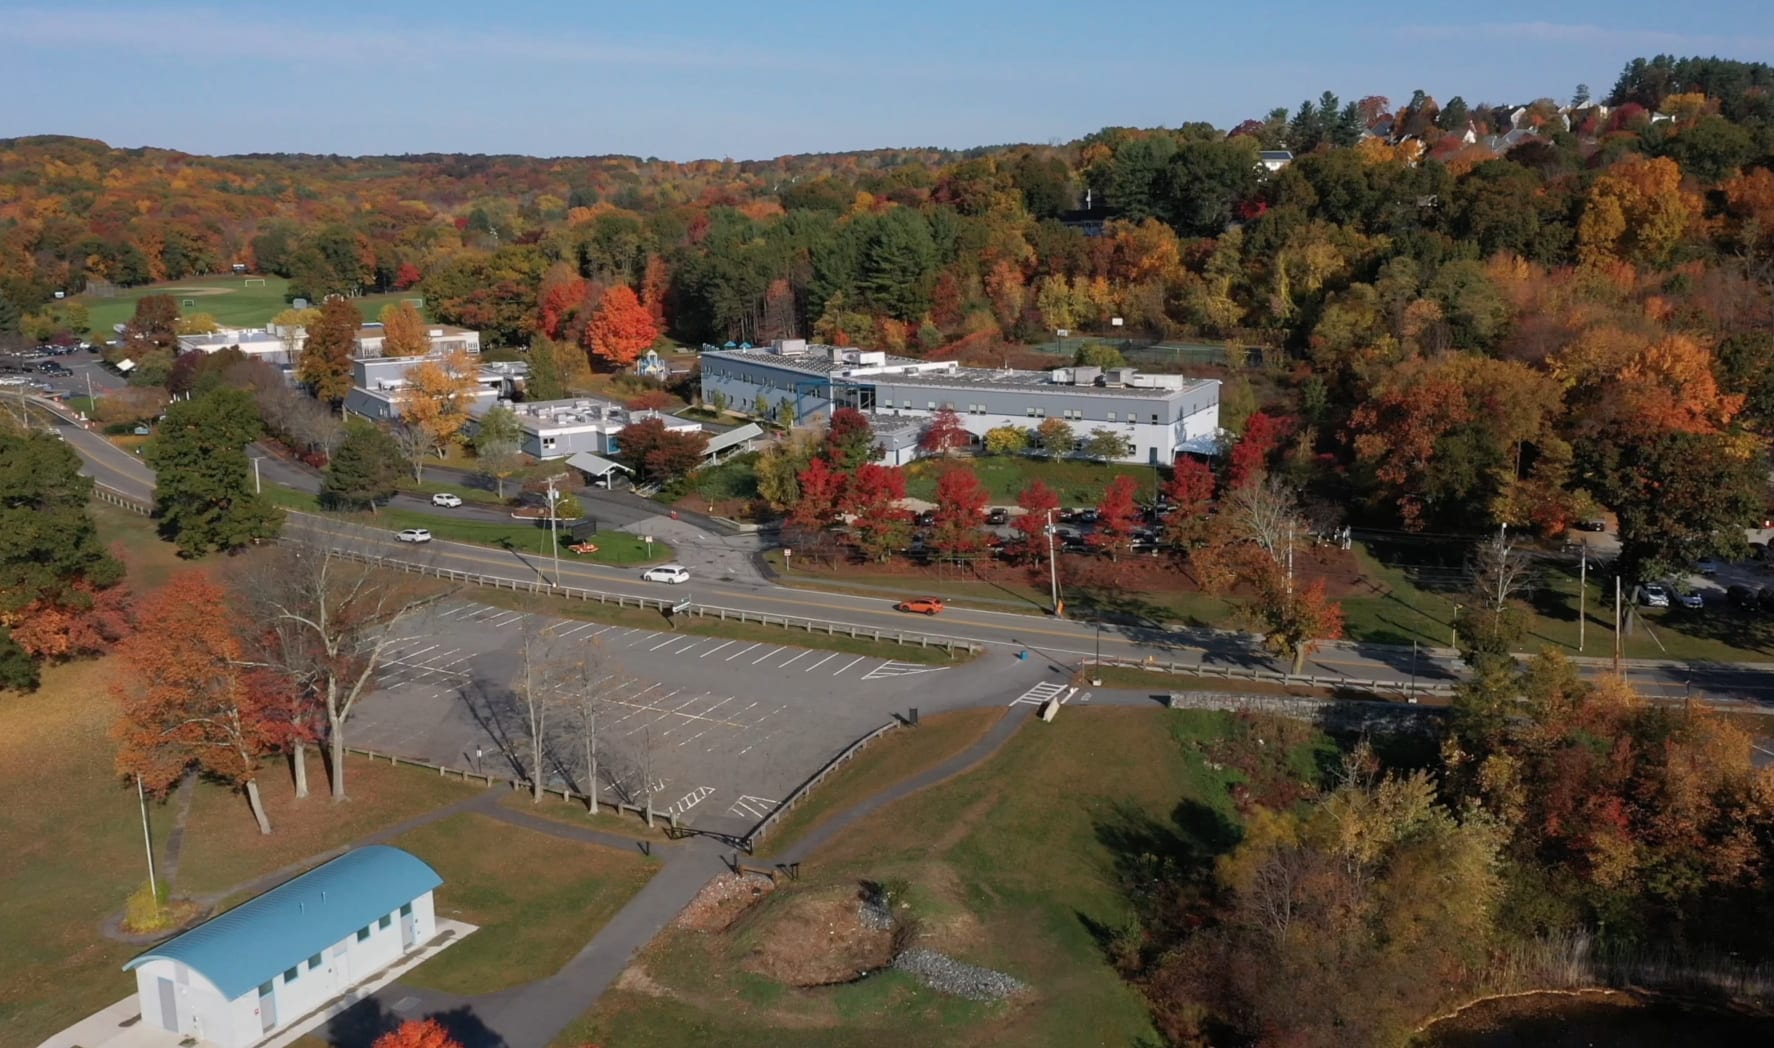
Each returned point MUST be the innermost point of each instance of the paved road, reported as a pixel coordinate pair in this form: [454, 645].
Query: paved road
[721, 581]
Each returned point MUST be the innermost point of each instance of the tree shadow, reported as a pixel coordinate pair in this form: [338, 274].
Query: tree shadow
[360, 1025]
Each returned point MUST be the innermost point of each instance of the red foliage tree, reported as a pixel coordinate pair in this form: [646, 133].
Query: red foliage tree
[943, 434]
[1250, 456]
[83, 620]
[822, 489]
[960, 509]
[1191, 491]
[655, 284]
[561, 296]
[417, 1033]
[406, 276]
[872, 497]
[1116, 518]
[850, 440]
[621, 329]
[1035, 499]
[656, 452]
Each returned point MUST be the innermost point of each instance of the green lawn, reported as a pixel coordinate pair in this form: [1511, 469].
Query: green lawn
[1078, 483]
[224, 297]
[1015, 866]
[538, 899]
[614, 547]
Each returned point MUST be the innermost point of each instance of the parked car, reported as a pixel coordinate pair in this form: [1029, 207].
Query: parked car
[1691, 600]
[1087, 516]
[446, 500]
[413, 535]
[925, 519]
[1707, 566]
[920, 606]
[1652, 595]
[997, 515]
[1594, 524]
[1741, 597]
[671, 573]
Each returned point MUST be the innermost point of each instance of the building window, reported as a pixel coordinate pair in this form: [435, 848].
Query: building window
[1040, 412]
[406, 909]
[384, 921]
[289, 974]
[1031, 412]
[265, 988]
[314, 962]
[547, 443]
[930, 405]
[363, 933]
[1154, 418]
[1111, 416]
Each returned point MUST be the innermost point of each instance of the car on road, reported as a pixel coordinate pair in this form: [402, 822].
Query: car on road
[672, 573]
[1653, 595]
[920, 606]
[1593, 524]
[446, 500]
[1707, 566]
[997, 515]
[413, 535]
[925, 518]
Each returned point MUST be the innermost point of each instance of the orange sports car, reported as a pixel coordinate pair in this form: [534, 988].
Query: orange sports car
[920, 605]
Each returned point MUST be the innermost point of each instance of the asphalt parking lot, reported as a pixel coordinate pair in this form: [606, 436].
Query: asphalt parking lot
[718, 730]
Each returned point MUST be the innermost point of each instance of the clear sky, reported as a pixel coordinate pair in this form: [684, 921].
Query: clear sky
[728, 78]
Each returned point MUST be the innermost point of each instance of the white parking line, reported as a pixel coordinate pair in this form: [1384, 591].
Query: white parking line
[899, 669]
[766, 655]
[741, 651]
[797, 658]
[711, 651]
[582, 627]
[752, 807]
[508, 620]
[688, 647]
[663, 643]
[822, 662]
[847, 665]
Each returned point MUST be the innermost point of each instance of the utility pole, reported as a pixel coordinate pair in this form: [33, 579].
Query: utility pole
[1052, 564]
[553, 525]
[148, 845]
[1502, 568]
[1290, 558]
[258, 488]
[1616, 625]
[1582, 593]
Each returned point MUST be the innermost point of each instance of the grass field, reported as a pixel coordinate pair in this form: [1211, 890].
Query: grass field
[538, 899]
[224, 297]
[1014, 866]
[1076, 482]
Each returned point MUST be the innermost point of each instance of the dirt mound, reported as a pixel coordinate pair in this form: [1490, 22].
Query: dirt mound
[722, 900]
[818, 939]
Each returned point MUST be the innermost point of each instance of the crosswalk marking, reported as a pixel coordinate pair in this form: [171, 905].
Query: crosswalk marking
[899, 669]
[1039, 693]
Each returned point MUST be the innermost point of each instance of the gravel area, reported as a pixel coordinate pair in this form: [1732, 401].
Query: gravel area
[874, 915]
[722, 900]
[947, 975]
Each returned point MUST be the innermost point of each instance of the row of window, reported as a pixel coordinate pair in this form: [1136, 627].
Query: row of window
[1033, 412]
[383, 923]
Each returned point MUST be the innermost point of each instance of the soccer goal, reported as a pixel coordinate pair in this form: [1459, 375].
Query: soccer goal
[253, 282]
[188, 302]
[416, 303]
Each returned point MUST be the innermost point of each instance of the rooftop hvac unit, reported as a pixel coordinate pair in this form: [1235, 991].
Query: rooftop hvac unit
[1060, 376]
[435, 332]
[789, 347]
[1086, 376]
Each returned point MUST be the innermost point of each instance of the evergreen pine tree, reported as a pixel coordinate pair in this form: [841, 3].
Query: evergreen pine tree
[364, 471]
[203, 486]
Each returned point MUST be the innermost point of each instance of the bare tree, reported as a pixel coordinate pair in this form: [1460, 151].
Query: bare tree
[541, 687]
[1267, 513]
[582, 697]
[327, 622]
[1500, 570]
[414, 444]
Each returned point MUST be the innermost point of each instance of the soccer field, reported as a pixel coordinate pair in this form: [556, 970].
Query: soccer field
[224, 297]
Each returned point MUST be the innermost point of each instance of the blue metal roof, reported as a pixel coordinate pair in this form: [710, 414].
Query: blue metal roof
[299, 918]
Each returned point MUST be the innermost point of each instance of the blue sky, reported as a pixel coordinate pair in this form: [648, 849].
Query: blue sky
[702, 78]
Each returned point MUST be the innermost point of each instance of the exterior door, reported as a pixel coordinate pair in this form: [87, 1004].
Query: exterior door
[406, 929]
[341, 966]
[169, 1006]
[267, 1008]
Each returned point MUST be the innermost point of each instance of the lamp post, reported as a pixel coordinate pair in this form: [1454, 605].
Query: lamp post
[1052, 565]
[258, 488]
[148, 845]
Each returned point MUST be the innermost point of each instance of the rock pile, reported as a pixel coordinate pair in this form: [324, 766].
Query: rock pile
[946, 975]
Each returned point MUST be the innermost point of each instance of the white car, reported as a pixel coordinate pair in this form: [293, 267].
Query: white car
[446, 500]
[672, 573]
[1652, 595]
[413, 535]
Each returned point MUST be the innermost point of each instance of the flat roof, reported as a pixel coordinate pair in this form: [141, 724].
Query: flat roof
[1027, 381]
[817, 360]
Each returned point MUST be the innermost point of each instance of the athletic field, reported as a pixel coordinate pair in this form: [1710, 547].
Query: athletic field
[227, 298]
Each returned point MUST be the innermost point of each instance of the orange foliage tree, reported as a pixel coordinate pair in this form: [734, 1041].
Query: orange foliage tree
[403, 331]
[621, 329]
[417, 1033]
[190, 698]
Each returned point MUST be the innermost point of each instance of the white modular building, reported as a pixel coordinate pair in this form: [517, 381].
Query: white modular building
[239, 977]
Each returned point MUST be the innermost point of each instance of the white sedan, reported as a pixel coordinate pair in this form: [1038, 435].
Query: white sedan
[672, 573]
[413, 535]
[446, 500]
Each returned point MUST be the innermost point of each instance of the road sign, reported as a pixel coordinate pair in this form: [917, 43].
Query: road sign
[680, 607]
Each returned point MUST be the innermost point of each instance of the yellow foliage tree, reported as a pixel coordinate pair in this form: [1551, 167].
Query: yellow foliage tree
[198, 324]
[437, 396]
[1636, 212]
[403, 331]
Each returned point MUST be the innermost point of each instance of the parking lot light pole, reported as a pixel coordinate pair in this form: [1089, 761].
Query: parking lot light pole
[1052, 564]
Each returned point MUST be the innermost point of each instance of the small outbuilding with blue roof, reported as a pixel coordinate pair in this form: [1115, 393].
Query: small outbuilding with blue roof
[240, 976]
